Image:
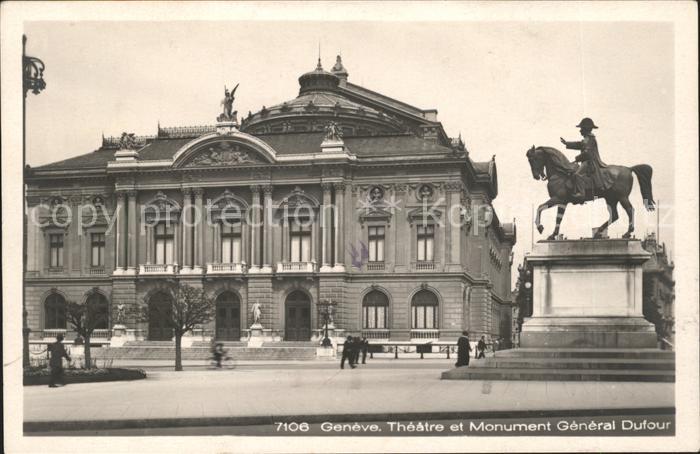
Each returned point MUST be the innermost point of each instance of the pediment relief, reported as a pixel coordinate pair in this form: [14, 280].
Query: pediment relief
[160, 208]
[298, 199]
[227, 206]
[224, 153]
[424, 214]
[375, 214]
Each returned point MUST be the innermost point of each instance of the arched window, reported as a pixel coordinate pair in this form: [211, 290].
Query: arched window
[99, 309]
[375, 307]
[424, 310]
[55, 312]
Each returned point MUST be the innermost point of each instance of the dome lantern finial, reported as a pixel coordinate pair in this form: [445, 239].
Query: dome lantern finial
[339, 70]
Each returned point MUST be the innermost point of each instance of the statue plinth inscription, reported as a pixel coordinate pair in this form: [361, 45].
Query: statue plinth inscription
[587, 294]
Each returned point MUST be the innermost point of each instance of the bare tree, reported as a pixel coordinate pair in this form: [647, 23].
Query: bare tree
[85, 318]
[188, 307]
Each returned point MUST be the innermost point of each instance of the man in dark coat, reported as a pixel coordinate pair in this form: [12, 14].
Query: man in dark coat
[463, 349]
[590, 174]
[347, 353]
[356, 347]
[57, 352]
[481, 348]
[364, 346]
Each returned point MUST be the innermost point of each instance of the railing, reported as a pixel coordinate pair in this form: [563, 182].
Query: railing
[424, 265]
[158, 269]
[296, 267]
[375, 266]
[375, 333]
[101, 334]
[425, 334]
[96, 271]
[53, 332]
[222, 268]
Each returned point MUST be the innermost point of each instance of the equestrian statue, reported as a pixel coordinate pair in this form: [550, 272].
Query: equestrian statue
[571, 182]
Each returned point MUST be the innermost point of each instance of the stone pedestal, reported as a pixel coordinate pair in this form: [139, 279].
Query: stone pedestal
[118, 336]
[256, 338]
[587, 294]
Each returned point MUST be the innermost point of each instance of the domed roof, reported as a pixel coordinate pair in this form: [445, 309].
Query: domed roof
[319, 102]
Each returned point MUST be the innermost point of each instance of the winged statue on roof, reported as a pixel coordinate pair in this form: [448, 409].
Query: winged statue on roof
[228, 114]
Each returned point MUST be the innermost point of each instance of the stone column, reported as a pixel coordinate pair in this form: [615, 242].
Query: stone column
[326, 260]
[132, 233]
[216, 241]
[267, 230]
[120, 212]
[198, 230]
[149, 243]
[187, 231]
[339, 226]
[285, 240]
[255, 230]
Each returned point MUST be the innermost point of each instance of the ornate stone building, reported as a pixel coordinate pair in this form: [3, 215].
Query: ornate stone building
[659, 292]
[340, 194]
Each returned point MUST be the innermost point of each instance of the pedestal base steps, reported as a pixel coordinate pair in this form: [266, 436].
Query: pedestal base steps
[165, 350]
[566, 364]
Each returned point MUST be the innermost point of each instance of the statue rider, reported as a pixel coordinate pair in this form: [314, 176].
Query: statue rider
[589, 174]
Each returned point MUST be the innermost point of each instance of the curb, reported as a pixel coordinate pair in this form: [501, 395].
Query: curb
[111, 424]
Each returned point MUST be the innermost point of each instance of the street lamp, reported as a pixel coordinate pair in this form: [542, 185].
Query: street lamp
[326, 309]
[32, 79]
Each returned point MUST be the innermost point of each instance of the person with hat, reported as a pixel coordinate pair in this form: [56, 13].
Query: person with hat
[590, 172]
[58, 352]
[348, 353]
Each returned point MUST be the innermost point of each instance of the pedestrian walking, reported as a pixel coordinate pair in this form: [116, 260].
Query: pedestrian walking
[57, 352]
[463, 349]
[347, 353]
[356, 348]
[364, 346]
[481, 348]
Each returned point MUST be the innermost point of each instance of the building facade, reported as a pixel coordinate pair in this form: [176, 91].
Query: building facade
[340, 194]
[659, 291]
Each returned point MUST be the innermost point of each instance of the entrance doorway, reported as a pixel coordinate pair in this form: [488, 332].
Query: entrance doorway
[159, 312]
[228, 317]
[297, 317]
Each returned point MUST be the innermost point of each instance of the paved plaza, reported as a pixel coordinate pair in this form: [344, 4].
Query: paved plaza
[321, 388]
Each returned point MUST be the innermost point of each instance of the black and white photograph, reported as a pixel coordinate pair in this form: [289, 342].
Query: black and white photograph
[350, 226]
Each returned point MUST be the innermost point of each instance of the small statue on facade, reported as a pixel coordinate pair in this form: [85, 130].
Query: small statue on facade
[333, 132]
[229, 114]
[257, 313]
[127, 141]
[121, 309]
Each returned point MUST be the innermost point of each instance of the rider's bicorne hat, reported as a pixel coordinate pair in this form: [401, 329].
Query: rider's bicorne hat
[587, 123]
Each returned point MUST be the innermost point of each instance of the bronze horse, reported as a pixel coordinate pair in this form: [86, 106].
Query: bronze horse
[552, 165]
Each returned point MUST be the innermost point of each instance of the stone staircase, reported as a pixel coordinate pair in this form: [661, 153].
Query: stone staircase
[645, 365]
[165, 350]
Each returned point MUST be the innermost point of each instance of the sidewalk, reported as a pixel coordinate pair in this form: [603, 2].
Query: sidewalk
[247, 395]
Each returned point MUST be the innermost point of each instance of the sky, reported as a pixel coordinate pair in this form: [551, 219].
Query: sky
[505, 86]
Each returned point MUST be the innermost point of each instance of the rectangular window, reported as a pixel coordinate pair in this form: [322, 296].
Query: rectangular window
[97, 241]
[374, 317]
[300, 240]
[56, 248]
[426, 240]
[376, 244]
[231, 242]
[424, 317]
[164, 237]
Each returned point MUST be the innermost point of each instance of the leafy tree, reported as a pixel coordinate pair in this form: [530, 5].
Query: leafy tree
[188, 307]
[87, 317]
